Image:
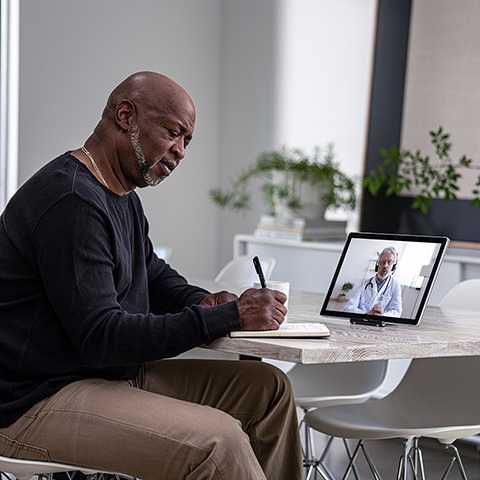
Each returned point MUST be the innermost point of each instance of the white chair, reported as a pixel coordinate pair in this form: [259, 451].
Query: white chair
[26, 469]
[463, 297]
[437, 398]
[241, 272]
[339, 384]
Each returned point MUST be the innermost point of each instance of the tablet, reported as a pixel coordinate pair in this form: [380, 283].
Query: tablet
[384, 278]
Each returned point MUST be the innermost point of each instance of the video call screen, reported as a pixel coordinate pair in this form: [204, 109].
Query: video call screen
[386, 278]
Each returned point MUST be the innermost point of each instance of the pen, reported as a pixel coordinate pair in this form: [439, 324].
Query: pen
[258, 269]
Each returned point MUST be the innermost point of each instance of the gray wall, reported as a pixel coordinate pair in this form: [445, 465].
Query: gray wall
[71, 55]
[443, 78]
[232, 56]
[248, 92]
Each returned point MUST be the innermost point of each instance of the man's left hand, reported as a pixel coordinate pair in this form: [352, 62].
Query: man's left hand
[218, 298]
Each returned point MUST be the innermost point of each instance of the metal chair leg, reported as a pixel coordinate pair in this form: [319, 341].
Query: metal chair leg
[447, 470]
[320, 462]
[400, 468]
[457, 457]
[410, 446]
[420, 461]
[309, 472]
[323, 472]
[371, 465]
[347, 449]
[415, 459]
[406, 451]
[326, 449]
[352, 459]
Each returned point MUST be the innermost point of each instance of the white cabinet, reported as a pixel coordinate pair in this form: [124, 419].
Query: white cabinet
[310, 265]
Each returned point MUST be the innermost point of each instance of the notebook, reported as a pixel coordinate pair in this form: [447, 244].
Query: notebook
[289, 330]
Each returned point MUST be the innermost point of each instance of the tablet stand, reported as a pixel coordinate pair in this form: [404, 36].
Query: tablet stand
[364, 321]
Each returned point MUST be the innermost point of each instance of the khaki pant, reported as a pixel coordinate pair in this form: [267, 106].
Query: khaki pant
[179, 419]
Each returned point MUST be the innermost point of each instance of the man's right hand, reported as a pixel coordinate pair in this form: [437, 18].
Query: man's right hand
[261, 309]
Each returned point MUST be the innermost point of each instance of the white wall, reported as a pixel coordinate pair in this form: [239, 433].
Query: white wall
[326, 63]
[73, 53]
[295, 73]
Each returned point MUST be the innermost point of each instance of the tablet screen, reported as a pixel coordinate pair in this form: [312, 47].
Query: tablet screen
[384, 277]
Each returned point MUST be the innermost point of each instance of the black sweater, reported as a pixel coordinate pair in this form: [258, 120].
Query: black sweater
[82, 293]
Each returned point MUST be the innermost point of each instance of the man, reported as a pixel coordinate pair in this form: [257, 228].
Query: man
[380, 294]
[87, 310]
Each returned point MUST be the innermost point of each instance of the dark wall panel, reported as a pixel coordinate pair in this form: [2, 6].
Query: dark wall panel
[457, 219]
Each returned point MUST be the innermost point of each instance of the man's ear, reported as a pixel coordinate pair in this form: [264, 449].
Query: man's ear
[125, 114]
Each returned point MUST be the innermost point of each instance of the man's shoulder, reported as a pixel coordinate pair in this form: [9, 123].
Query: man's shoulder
[61, 179]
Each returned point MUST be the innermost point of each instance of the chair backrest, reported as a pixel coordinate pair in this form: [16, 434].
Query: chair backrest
[449, 383]
[465, 296]
[337, 379]
[240, 271]
[453, 380]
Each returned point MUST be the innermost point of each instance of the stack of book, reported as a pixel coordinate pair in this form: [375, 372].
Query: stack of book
[319, 230]
[285, 229]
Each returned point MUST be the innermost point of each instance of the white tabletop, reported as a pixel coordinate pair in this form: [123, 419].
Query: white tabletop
[439, 334]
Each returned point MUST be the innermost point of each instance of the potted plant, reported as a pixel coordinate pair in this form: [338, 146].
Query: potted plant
[346, 287]
[405, 172]
[294, 184]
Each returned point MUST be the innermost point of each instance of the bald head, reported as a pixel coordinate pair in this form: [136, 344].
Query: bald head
[146, 126]
[151, 90]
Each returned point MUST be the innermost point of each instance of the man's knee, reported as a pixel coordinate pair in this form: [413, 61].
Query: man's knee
[273, 379]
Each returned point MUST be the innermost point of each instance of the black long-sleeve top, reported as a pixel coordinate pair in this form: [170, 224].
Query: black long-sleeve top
[82, 294]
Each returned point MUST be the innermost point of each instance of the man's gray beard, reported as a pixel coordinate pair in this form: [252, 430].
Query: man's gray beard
[142, 164]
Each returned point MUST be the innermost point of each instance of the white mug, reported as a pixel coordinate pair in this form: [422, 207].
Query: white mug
[283, 287]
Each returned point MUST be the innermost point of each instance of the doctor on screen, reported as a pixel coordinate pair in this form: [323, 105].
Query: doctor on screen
[380, 294]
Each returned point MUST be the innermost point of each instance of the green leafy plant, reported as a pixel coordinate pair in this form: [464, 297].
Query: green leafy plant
[403, 171]
[347, 286]
[335, 188]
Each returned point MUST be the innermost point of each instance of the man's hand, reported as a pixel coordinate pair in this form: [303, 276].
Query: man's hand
[218, 298]
[376, 310]
[261, 309]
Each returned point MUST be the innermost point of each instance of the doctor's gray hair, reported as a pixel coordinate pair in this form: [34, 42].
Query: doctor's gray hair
[389, 250]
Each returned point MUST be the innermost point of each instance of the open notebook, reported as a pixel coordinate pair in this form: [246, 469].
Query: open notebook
[290, 330]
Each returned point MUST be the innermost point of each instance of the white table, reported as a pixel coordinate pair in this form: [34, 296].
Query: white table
[440, 334]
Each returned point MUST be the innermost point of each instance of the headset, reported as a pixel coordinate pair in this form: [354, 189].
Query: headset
[388, 249]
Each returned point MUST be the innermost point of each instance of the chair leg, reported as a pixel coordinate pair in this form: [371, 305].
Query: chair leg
[410, 448]
[313, 465]
[420, 461]
[417, 460]
[347, 449]
[371, 465]
[326, 449]
[400, 468]
[456, 458]
[406, 452]
[447, 470]
[352, 459]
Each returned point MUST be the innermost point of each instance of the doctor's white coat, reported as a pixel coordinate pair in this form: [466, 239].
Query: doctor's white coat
[389, 297]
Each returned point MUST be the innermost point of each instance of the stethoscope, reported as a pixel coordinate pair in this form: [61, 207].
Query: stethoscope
[370, 282]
